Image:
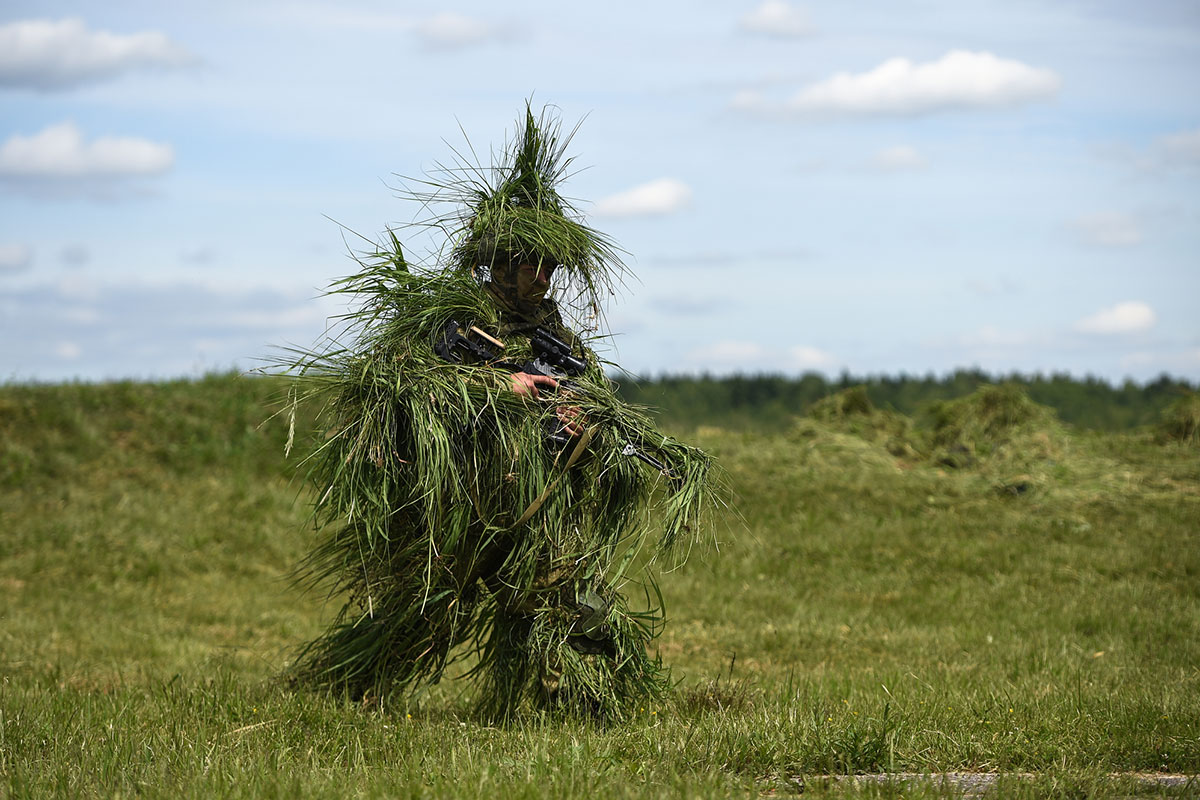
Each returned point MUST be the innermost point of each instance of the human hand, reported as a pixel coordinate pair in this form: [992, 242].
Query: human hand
[526, 385]
[572, 419]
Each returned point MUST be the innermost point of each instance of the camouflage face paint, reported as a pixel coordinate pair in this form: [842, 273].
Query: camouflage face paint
[533, 282]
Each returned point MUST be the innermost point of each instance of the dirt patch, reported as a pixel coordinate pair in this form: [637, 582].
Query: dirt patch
[980, 784]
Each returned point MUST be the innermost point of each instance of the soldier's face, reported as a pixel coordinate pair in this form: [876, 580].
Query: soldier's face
[533, 281]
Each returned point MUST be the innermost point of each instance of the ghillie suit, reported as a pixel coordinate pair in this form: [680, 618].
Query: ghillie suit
[448, 517]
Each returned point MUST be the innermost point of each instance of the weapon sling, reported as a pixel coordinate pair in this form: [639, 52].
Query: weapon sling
[580, 446]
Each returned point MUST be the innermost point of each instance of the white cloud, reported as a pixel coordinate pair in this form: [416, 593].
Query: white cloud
[959, 79]
[68, 351]
[733, 355]
[75, 255]
[450, 31]
[662, 196]
[989, 336]
[748, 100]
[1186, 361]
[199, 256]
[726, 354]
[1172, 151]
[806, 357]
[442, 31]
[900, 157]
[60, 151]
[81, 327]
[325, 17]
[308, 315]
[48, 55]
[990, 287]
[690, 305]
[777, 18]
[14, 258]
[81, 315]
[722, 259]
[1110, 229]
[1180, 148]
[1130, 316]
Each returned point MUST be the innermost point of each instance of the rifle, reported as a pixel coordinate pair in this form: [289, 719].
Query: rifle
[552, 357]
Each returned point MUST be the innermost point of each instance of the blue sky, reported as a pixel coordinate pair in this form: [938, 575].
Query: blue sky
[878, 187]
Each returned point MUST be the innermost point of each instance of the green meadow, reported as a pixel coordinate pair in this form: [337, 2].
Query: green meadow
[978, 588]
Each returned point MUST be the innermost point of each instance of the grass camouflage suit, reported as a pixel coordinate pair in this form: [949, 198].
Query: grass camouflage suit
[463, 520]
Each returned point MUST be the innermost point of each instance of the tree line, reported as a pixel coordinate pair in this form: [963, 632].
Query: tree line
[762, 402]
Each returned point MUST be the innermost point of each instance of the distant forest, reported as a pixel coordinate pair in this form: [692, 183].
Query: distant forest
[761, 402]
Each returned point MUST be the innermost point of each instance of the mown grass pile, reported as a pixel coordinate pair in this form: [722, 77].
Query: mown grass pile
[870, 612]
[1181, 420]
[851, 412]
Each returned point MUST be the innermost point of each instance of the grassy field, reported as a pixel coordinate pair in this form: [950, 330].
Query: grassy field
[893, 600]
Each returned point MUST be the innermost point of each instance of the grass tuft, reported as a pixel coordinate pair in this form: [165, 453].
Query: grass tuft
[718, 697]
[1181, 420]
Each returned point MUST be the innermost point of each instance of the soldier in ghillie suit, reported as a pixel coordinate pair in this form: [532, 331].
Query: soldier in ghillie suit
[483, 493]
